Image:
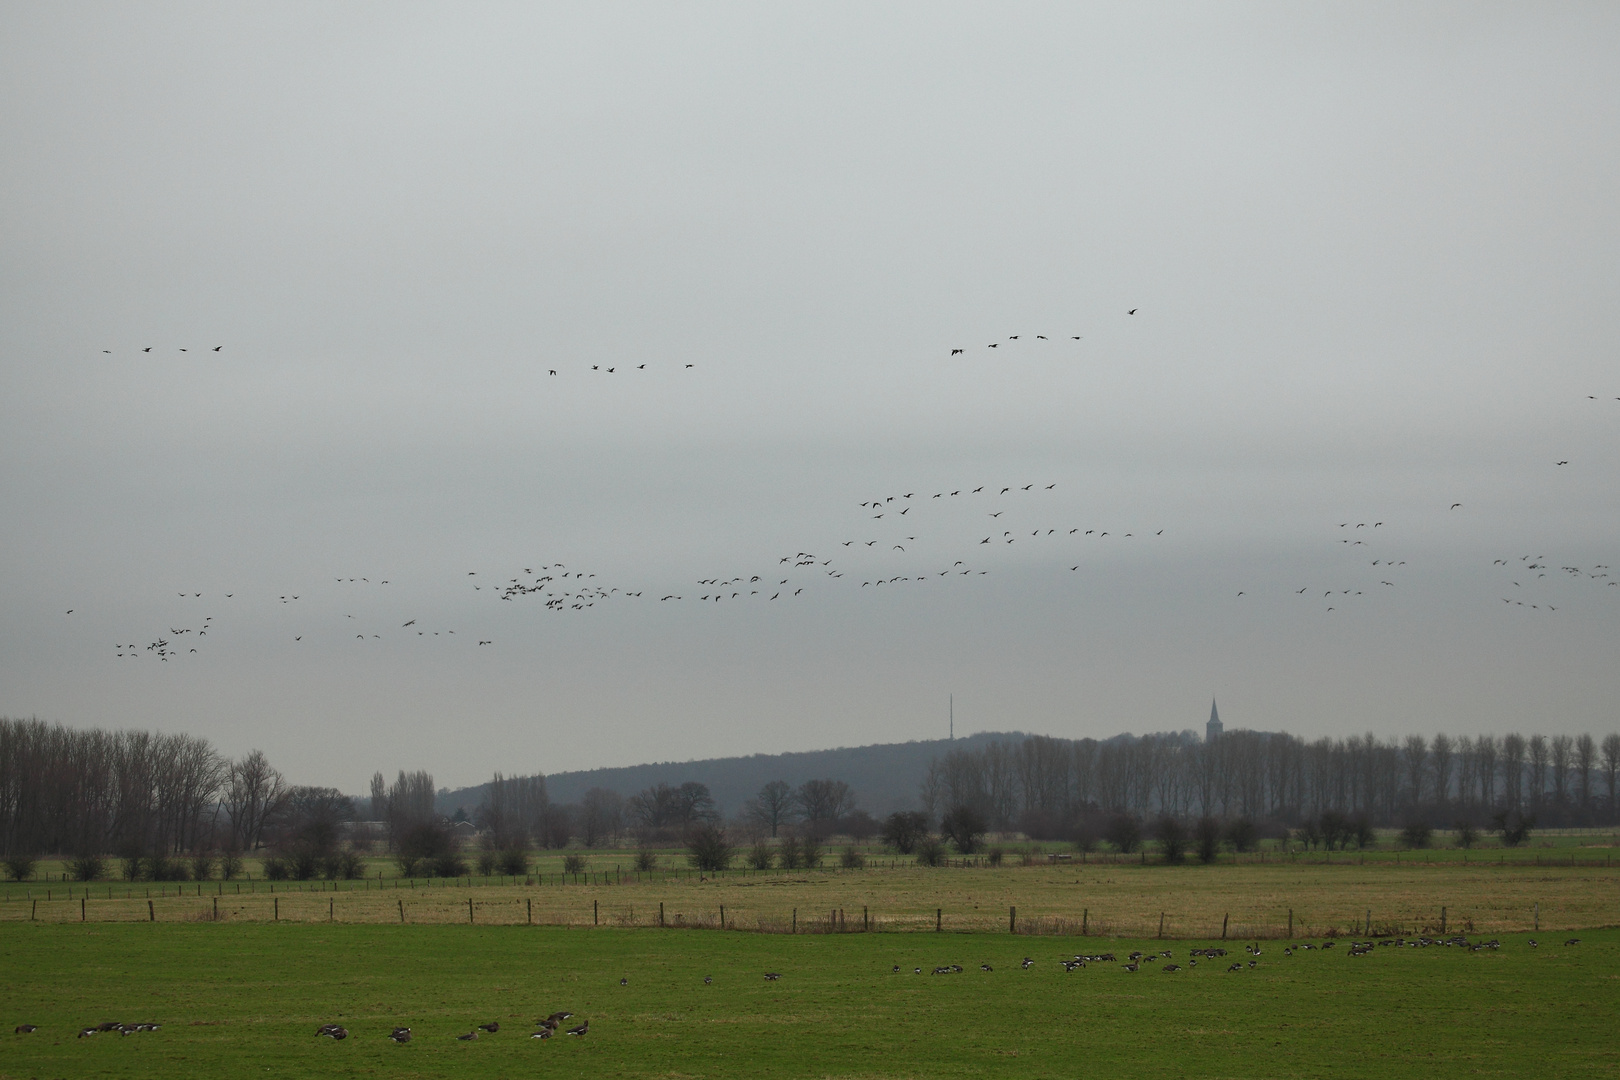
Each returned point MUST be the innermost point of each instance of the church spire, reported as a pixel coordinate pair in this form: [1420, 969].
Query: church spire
[1212, 730]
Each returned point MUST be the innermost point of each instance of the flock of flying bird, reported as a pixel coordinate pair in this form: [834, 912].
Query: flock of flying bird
[562, 588]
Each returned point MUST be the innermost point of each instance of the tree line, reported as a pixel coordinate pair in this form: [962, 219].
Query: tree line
[152, 800]
[147, 798]
[1049, 787]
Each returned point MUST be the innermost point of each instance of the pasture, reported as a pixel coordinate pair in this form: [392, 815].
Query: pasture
[1125, 897]
[240, 998]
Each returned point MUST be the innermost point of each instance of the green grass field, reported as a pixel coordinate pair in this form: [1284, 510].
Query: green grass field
[245, 999]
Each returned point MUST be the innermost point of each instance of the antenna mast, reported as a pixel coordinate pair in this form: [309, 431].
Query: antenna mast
[953, 717]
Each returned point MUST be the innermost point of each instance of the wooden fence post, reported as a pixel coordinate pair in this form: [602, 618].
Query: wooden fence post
[1442, 920]
[722, 916]
[1012, 919]
[33, 913]
[596, 914]
[1538, 914]
[216, 909]
[1224, 920]
[1368, 930]
[1161, 924]
[275, 903]
[1085, 922]
[81, 909]
[939, 919]
[1290, 922]
[331, 910]
[660, 913]
[795, 920]
[469, 909]
[402, 911]
[866, 919]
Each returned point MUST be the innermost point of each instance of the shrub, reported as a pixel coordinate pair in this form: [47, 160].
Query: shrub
[20, 867]
[646, 859]
[163, 868]
[810, 851]
[304, 863]
[1207, 839]
[345, 865]
[1172, 837]
[514, 862]
[1467, 835]
[1514, 828]
[1417, 834]
[425, 841]
[87, 867]
[1124, 831]
[202, 866]
[449, 865]
[230, 865]
[410, 865]
[859, 825]
[930, 852]
[708, 849]
[486, 862]
[1242, 834]
[759, 856]
[903, 829]
[850, 859]
[1334, 829]
[994, 856]
[963, 826]
[790, 854]
[1361, 828]
[132, 867]
[276, 868]
[1308, 834]
[573, 863]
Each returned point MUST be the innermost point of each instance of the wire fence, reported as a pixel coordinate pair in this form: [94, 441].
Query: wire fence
[517, 906]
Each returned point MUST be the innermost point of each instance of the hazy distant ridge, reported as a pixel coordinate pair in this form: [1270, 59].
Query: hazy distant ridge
[885, 776]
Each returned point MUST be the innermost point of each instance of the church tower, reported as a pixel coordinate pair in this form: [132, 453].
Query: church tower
[1212, 730]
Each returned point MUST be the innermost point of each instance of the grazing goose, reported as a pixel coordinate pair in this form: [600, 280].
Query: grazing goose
[469, 1037]
[492, 1027]
[26, 1029]
[581, 1029]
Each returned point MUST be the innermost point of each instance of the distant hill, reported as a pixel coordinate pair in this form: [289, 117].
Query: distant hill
[885, 776]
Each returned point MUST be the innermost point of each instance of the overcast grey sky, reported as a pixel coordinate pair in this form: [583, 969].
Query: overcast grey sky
[1371, 250]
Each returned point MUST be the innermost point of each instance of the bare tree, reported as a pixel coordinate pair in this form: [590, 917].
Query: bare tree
[1561, 759]
[1611, 772]
[1440, 763]
[1415, 759]
[823, 802]
[1585, 762]
[773, 806]
[255, 792]
[1539, 758]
